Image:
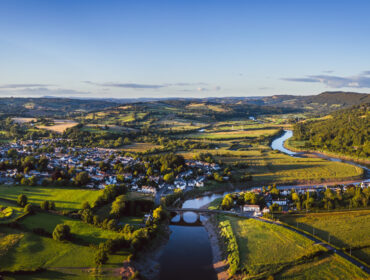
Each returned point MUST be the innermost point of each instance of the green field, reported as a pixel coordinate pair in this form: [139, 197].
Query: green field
[327, 268]
[64, 198]
[268, 166]
[80, 230]
[266, 247]
[64, 260]
[346, 229]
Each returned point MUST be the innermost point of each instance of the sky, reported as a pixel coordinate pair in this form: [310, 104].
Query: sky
[159, 49]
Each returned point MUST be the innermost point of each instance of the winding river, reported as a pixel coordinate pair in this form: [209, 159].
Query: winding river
[188, 254]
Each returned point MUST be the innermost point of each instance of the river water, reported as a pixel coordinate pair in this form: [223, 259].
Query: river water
[188, 254]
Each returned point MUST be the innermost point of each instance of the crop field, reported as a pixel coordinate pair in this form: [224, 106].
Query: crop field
[140, 147]
[23, 120]
[235, 134]
[82, 231]
[59, 125]
[203, 106]
[327, 268]
[64, 198]
[179, 125]
[350, 228]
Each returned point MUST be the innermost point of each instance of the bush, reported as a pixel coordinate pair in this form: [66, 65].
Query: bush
[29, 209]
[22, 200]
[61, 232]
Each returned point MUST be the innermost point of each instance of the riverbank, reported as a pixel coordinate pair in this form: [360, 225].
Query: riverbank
[148, 262]
[220, 264]
[306, 152]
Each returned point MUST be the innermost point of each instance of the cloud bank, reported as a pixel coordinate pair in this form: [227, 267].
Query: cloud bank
[360, 81]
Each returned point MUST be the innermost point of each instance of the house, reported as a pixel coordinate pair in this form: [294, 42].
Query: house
[280, 202]
[251, 208]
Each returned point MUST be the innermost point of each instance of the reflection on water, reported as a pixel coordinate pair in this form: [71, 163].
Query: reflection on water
[187, 255]
[278, 143]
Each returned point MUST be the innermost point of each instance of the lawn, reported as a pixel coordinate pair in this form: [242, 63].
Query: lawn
[64, 198]
[80, 230]
[350, 228]
[327, 268]
[266, 247]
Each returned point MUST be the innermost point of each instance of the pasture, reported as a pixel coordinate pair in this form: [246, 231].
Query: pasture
[63, 197]
[27, 251]
[349, 228]
[80, 230]
[327, 268]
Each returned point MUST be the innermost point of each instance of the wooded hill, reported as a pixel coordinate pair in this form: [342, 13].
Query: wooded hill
[345, 131]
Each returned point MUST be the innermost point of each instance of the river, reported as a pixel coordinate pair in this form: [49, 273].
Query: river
[188, 255]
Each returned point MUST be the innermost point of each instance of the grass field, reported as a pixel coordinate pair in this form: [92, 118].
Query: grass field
[80, 230]
[266, 247]
[27, 251]
[346, 229]
[268, 166]
[64, 198]
[327, 268]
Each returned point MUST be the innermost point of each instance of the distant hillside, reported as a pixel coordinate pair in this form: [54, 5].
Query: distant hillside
[50, 107]
[323, 102]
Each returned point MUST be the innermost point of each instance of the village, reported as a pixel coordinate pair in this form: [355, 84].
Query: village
[102, 166]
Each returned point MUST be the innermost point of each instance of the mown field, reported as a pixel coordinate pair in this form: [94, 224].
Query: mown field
[64, 198]
[346, 229]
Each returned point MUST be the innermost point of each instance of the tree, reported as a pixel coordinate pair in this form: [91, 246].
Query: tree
[28, 209]
[86, 205]
[101, 257]
[169, 177]
[82, 178]
[61, 232]
[227, 202]
[45, 205]
[22, 200]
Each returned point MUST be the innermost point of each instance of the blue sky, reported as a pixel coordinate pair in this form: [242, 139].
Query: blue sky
[127, 49]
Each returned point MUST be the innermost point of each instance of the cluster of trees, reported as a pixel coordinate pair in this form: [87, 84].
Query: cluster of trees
[24, 164]
[17, 131]
[352, 197]
[135, 240]
[103, 138]
[61, 232]
[345, 132]
[237, 199]
[227, 234]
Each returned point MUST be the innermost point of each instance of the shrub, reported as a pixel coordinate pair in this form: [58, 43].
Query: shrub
[61, 232]
[22, 200]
